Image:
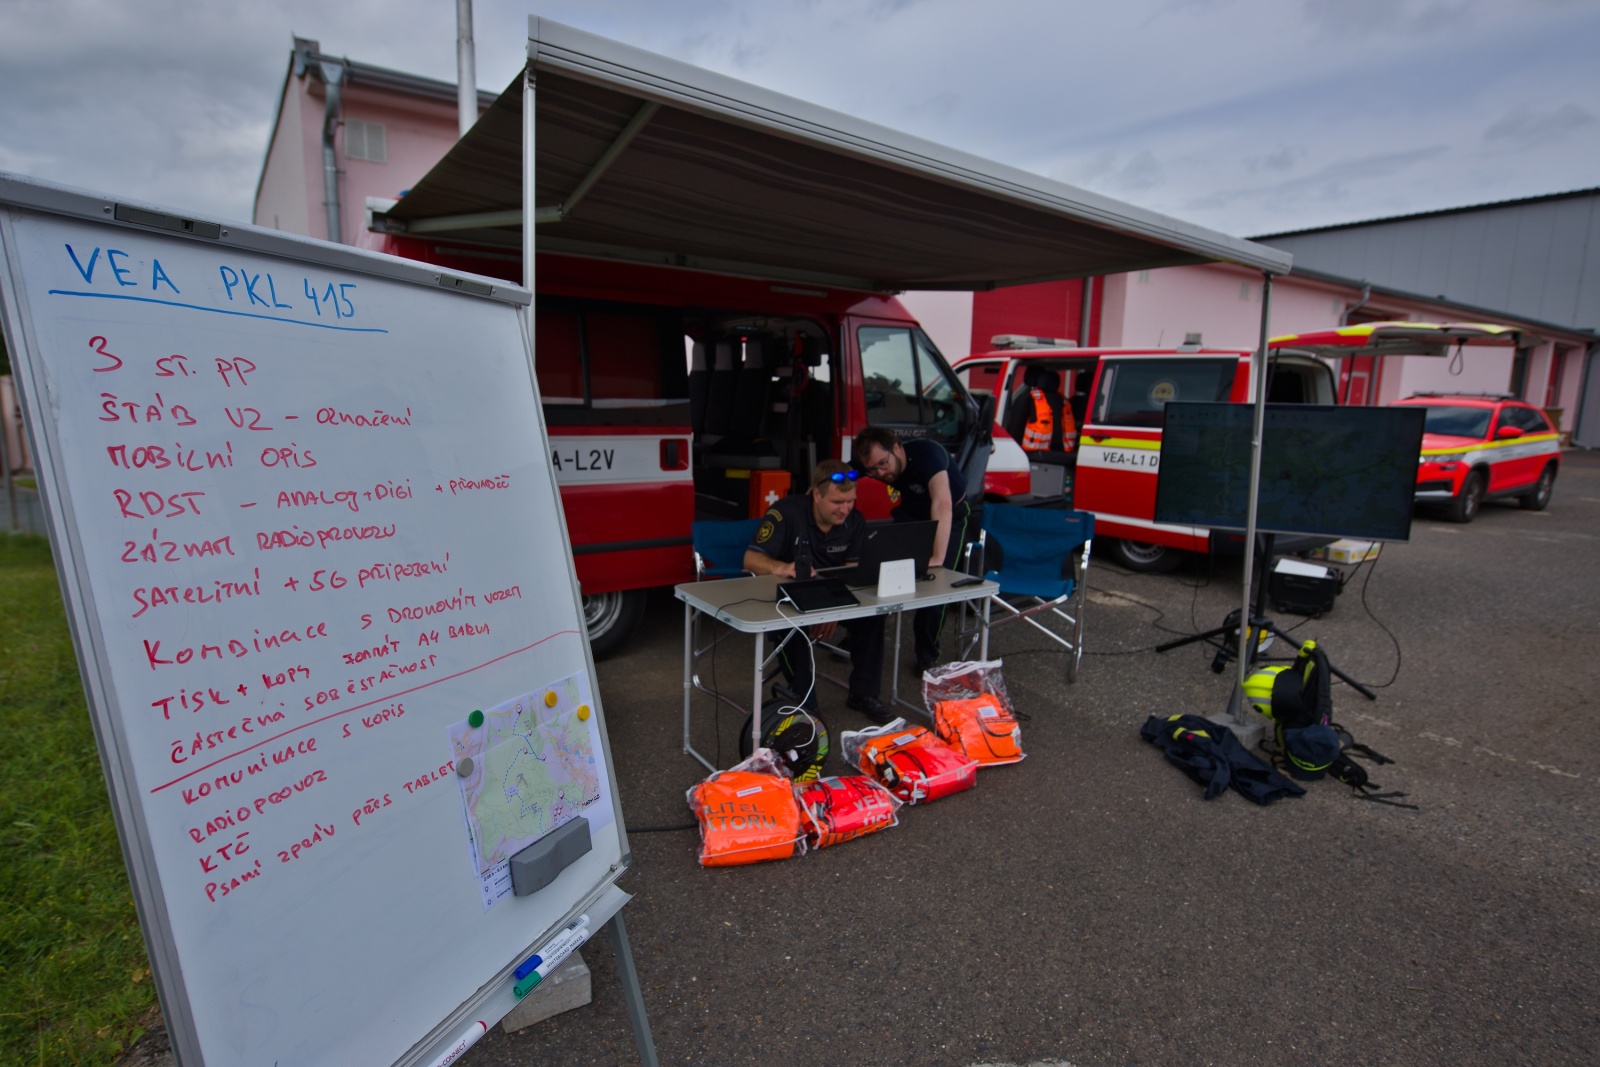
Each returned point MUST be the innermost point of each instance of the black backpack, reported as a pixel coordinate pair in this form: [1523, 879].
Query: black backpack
[1308, 743]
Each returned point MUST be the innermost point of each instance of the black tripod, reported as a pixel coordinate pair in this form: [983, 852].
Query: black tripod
[1232, 635]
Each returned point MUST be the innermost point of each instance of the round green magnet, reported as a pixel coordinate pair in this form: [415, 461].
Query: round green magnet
[475, 719]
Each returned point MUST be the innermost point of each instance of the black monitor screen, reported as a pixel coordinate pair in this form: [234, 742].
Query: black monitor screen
[1333, 471]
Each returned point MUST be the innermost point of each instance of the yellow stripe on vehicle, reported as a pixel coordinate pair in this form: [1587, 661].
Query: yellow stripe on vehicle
[1087, 439]
[1544, 439]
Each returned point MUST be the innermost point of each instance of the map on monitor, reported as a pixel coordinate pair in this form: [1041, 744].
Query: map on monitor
[1326, 470]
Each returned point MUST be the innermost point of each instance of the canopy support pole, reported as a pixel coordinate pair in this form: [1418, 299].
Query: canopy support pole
[1247, 636]
[603, 164]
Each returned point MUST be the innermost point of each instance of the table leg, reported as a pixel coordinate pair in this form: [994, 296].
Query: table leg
[983, 647]
[688, 670]
[755, 699]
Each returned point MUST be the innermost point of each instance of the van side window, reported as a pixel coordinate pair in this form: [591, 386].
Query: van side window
[1134, 392]
[907, 384]
[559, 357]
[624, 357]
[982, 377]
[610, 363]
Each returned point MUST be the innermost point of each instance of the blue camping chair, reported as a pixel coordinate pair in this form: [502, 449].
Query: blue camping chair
[1034, 554]
[719, 547]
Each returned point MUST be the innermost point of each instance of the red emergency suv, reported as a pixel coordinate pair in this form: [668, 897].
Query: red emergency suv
[1476, 448]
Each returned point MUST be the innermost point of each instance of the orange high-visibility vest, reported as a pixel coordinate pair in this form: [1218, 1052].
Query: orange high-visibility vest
[980, 728]
[1036, 435]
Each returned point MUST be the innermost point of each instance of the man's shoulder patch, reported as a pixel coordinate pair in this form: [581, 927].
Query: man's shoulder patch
[767, 528]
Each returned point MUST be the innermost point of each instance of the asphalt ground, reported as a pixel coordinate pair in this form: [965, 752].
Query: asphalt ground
[1088, 906]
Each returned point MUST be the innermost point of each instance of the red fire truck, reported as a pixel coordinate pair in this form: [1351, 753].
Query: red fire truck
[1115, 398]
[672, 395]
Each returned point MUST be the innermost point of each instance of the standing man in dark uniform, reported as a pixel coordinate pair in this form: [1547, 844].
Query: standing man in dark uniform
[825, 520]
[924, 483]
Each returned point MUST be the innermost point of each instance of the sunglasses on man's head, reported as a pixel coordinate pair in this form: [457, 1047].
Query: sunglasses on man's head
[840, 477]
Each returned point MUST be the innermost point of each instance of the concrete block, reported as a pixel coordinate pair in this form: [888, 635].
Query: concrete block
[565, 989]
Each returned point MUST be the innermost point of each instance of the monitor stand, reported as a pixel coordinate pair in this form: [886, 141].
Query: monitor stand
[1228, 633]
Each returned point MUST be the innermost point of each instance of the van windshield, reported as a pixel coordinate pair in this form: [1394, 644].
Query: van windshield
[1134, 392]
[907, 384]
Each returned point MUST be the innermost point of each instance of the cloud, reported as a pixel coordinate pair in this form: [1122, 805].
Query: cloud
[1230, 113]
[1385, 18]
[938, 107]
[1331, 183]
[1286, 157]
[1525, 127]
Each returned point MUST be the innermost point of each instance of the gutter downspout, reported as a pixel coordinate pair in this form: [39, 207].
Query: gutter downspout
[1366, 294]
[1086, 311]
[466, 68]
[332, 80]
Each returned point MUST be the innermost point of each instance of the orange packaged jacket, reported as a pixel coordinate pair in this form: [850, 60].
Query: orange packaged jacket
[747, 817]
[981, 728]
[914, 764]
[842, 809]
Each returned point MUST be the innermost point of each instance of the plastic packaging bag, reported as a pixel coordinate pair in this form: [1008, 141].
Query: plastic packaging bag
[965, 681]
[980, 728]
[844, 808]
[748, 813]
[910, 761]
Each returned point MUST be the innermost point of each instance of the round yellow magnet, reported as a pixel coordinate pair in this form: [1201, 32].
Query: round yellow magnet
[583, 712]
[550, 699]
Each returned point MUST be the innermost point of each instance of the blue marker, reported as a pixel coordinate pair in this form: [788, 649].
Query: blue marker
[556, 944]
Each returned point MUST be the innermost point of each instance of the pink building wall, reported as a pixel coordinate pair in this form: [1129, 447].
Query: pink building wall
[948, 321]
[417, 133]
[1222, 303]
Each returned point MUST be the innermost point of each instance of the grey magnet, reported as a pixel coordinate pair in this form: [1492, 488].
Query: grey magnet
[464, 767]
[537, 865]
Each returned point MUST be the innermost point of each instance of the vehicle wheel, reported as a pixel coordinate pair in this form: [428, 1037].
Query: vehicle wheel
[611, 619]
[1538, 498]
[1146, 557]
[1464, 508]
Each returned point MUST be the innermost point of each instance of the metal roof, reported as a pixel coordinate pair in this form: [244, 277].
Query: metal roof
[648, 159]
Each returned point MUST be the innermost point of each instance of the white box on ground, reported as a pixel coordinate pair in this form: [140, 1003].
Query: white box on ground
[1303, 569]
[1350, 551]
[565, 989]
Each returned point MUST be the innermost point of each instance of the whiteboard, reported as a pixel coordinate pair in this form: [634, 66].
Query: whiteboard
[305, 523]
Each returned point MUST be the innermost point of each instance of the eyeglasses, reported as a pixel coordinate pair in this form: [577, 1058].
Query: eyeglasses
[880, 467]
[841, 477]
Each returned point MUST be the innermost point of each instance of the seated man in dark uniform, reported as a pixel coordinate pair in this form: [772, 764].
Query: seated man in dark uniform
[826, 524]
[924, 483]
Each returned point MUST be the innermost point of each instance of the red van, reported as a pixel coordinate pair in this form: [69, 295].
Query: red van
[674, 395]
[1115, 397]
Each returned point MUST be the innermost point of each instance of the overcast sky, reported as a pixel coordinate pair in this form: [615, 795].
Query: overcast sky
[1249, 116]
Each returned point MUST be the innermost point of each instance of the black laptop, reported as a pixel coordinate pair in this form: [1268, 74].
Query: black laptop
[886, 542]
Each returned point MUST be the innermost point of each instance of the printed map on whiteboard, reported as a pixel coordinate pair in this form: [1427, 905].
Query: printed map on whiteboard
[534, 767]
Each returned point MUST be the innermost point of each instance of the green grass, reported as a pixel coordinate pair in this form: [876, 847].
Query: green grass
[74, 977]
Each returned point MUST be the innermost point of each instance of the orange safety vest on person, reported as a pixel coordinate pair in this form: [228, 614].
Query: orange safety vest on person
[1069, 429]
[1036, 435]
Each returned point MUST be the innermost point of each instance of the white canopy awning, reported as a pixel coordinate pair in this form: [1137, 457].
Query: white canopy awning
[643, 158]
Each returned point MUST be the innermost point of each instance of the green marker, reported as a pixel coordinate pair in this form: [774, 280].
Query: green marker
[475, 719]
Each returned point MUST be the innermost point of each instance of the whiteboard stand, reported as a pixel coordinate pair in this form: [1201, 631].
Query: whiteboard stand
[632, 994]
[318, 578]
